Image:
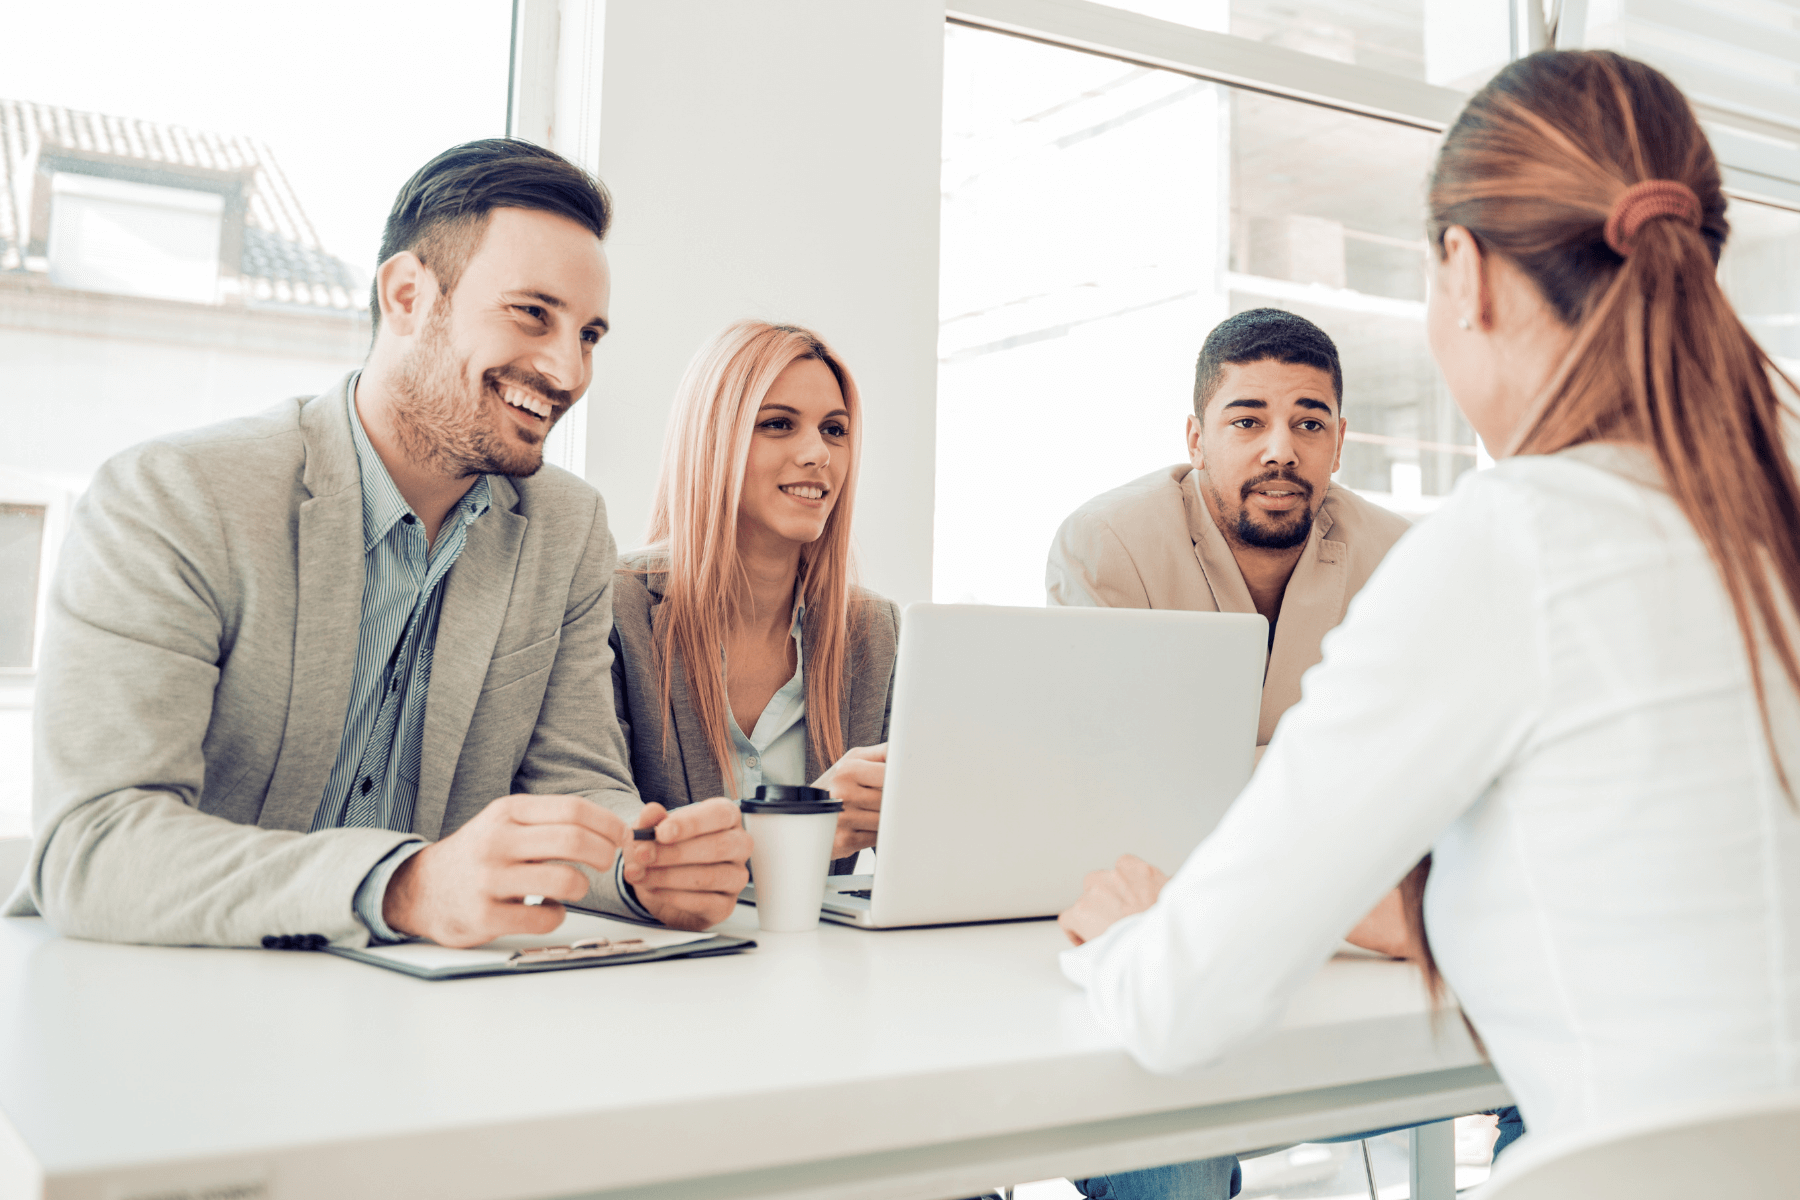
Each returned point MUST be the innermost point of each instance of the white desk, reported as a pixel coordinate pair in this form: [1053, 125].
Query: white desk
[837, 1065]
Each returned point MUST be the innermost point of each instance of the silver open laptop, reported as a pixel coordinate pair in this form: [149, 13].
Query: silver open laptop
[1029, 746]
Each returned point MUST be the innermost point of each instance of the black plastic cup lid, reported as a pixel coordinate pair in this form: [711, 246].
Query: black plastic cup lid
[779, 798]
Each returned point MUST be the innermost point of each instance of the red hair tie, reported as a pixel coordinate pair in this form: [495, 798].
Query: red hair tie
[1646, 201]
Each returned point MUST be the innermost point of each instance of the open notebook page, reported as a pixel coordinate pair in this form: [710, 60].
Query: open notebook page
[428, 956]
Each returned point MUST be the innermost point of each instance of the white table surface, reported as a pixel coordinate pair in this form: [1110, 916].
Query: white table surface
[843, 1063]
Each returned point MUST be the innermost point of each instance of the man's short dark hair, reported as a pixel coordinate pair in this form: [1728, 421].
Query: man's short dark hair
[1262, 335]
[441, 213]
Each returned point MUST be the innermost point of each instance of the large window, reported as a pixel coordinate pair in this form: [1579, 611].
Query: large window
[1083, 206]
[190, 210]
[1099, 218]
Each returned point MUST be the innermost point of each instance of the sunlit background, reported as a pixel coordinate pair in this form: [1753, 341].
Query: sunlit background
[188, 223]
[191, 205]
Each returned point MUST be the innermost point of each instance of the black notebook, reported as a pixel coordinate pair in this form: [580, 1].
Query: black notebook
[583, 940]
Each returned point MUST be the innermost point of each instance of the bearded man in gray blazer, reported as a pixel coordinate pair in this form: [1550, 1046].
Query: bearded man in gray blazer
[341, 668]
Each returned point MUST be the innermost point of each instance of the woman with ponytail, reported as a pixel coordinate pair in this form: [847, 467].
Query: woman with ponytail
[1571, 696]
[743, 653]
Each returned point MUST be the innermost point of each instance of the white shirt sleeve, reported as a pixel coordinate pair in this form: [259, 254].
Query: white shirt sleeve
[1426, 691]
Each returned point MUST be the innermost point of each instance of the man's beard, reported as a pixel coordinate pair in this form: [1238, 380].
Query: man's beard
[1286, 532]
[440, 419]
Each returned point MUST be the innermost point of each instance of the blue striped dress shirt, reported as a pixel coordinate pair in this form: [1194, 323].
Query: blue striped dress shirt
[375, 780]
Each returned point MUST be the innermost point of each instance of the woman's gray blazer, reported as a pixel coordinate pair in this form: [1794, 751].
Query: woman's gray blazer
[682, 771]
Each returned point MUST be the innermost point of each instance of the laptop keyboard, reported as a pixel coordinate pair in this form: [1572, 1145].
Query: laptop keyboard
[842, 892]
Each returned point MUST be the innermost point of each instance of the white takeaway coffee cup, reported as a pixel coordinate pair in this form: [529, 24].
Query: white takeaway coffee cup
[791, 830]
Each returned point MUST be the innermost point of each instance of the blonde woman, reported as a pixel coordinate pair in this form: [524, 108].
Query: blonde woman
[742, 652]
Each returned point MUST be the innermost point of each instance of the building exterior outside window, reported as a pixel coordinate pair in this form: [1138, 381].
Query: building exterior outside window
[188, 225]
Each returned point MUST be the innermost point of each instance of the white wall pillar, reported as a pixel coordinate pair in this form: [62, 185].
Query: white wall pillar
[776, 159]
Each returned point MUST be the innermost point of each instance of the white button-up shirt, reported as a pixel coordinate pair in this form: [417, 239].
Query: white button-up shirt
[1544, 685]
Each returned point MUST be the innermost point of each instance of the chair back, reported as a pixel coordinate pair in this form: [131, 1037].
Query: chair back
[1747, 1149]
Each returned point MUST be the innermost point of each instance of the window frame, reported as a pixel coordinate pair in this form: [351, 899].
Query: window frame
[58, 505]
[553, 99]
[1753, 168]
[1094, 28]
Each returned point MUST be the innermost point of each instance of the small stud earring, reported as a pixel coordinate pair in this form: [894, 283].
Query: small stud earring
[1463, 323]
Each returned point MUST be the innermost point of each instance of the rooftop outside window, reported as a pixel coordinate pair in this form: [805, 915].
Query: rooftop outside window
[136, 239]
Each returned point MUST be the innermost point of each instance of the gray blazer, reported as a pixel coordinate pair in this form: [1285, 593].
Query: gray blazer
[682, 771]
[198, 650]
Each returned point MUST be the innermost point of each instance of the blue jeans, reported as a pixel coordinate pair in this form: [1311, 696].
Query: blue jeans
[1207, 1179]
[1512, 1128]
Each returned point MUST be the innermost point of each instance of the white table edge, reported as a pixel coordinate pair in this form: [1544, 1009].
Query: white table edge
[930, 1171]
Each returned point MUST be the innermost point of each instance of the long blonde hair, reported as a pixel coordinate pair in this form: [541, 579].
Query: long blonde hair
[693, 531]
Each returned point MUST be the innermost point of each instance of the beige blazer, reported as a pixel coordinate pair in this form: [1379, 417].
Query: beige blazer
[680, 769]
[1153, 544]
[198, 650]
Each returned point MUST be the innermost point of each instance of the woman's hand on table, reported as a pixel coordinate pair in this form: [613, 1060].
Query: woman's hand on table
[1386, 930]
[857, 779]
[1131, 886]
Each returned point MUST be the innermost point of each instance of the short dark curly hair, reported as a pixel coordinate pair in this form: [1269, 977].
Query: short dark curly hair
[441, 212]
[1261, 335]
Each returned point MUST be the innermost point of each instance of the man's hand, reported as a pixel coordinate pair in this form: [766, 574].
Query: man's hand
[1386, 930]
[857, 779]
[470, 888]
[1106, 896]
[690, 876]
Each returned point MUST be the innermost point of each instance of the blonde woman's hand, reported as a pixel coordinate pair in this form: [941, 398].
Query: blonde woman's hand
[857, 779]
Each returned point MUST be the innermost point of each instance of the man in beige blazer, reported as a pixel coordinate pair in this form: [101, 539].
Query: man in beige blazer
[339, 670]
[1252, 522]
